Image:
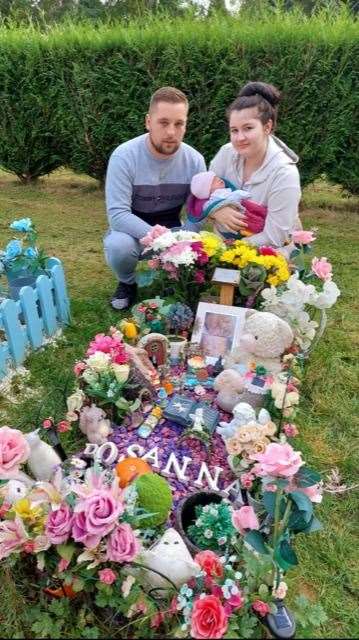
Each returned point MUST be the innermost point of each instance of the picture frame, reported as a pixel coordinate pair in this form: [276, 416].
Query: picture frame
[218, 328]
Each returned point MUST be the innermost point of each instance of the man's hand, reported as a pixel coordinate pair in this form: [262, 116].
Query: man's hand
[230, 218]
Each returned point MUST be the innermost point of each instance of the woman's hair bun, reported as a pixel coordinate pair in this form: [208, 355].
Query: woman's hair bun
[267, 91]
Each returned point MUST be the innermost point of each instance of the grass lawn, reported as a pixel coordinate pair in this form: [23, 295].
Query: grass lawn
[68, 211]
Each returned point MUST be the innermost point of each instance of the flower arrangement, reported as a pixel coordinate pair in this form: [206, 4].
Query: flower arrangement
[183, 259]
[21, 253]
[306, 293]
[103, 376]
[179, 318]
[213, 527]
[149, 315]
[259, 268]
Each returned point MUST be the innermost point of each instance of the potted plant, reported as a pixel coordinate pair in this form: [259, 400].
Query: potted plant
[179, 319]
[203, 512]
[22, 260]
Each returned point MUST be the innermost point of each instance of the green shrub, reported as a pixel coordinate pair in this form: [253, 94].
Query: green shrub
[91, 86]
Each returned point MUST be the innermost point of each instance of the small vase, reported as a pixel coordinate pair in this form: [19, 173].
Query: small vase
[22, 278]
[186, 514]
[177, 347]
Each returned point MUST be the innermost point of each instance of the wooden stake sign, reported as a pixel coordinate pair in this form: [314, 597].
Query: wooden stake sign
[228, 279]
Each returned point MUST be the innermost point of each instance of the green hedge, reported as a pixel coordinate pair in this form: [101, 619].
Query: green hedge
[71, 95]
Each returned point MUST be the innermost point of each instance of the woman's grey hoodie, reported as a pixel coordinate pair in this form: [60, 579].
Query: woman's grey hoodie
[275, 184]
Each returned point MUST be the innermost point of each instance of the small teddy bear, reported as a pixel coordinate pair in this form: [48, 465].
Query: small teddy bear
[266, 337]
[229, 385]
[94, 424]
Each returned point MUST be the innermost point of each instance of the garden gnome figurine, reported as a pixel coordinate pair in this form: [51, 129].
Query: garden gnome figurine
[43, 459]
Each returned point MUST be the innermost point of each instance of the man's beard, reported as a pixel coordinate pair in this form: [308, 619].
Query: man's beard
[160, 148]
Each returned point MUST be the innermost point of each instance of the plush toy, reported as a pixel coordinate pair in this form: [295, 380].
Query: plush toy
[245, 415]
[170, 557]
[266, 337]
[14, 490]
[43, 459]
[229, 385]
[94, 424]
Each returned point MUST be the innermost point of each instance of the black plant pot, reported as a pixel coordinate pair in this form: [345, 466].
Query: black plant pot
[186, 514]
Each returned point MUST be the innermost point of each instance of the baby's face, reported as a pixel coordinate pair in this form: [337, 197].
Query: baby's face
[217, 183]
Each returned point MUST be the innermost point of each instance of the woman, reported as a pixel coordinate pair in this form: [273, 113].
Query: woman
[258, 162]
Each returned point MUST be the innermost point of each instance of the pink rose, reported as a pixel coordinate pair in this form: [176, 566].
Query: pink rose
[63, 426]
[13, 536]
[79, 367]
[107, 576]
[245, 518]
[154, 263]
[278, 460]
[210, 563]
[290, 430]
[48, 423]
[322, 268]
[14, 450]
[260, 607]
[209, 619]
[59, 524]
[122, 544]
[95, 516]
[246, 480]
[155, 232]
[303, 237]
[234, 602]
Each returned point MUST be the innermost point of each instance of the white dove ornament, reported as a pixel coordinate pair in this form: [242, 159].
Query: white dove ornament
[170, 557]
[43, 459]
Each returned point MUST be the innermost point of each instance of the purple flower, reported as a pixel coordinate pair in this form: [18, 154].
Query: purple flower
[122, 545]
[59, 524]
[95, 516]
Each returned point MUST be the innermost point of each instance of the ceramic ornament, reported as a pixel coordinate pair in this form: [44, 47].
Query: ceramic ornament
[43, 459]
[170, 557]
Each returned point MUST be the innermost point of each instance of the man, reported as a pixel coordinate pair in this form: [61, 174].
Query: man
[147, 183]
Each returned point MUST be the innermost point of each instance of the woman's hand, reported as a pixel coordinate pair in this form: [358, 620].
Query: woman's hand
[230, 218]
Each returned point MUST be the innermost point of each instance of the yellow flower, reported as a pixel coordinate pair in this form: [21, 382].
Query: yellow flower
[31, 514]
[212, 243]
[129, 329]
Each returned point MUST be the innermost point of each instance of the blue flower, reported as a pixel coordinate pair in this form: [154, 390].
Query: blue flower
[13, 249]
[30, 252]
[25, 224]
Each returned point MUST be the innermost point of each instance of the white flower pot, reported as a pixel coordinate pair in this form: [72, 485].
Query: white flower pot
[177, 347]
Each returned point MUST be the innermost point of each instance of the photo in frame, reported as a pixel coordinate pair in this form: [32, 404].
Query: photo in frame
[218, 329]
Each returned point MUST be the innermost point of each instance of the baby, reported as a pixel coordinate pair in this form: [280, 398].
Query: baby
[209, 193]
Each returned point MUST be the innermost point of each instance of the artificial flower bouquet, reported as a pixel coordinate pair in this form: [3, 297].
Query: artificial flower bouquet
[103, 377]
[260, 268]
[22, 254]
[184, 260]
[306, 294]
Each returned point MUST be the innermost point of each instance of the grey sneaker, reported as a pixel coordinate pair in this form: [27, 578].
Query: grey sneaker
[124, 296]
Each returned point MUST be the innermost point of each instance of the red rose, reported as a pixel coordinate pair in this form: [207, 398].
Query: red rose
[260, 607]
[209, 619]
[268, 251]
[210, 563]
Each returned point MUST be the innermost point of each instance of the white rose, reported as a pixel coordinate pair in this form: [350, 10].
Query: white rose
[121, 372]
[99, 362]
[75, 401]
[90, 376]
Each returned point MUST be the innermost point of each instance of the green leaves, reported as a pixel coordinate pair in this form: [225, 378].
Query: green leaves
[285, 556]
[66, 551]
[306, 477]
[256, 540]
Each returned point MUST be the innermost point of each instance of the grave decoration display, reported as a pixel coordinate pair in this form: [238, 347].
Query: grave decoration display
[181, 512]
[22, 255]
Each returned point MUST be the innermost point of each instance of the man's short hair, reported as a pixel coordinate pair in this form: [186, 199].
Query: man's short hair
[168, 94]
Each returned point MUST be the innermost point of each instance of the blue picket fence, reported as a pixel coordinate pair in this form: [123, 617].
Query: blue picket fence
[37, 315]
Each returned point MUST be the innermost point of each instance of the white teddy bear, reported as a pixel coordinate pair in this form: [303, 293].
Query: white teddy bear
[94, 424]
[266, 337]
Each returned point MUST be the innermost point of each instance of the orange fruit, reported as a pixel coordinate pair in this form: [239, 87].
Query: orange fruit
[129, 469]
